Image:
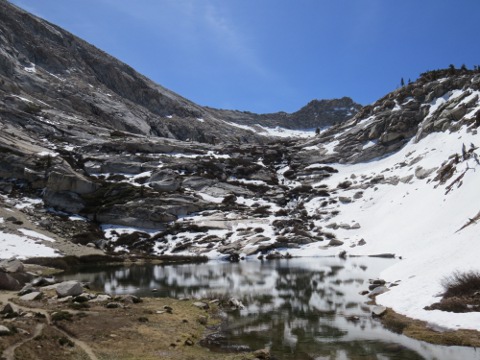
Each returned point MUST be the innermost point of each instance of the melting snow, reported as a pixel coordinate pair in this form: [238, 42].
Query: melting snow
[23, 247]
[28, 202]
[36, 235]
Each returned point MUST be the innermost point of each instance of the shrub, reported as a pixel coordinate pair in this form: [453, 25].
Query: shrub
[453, 304]
[461, 284]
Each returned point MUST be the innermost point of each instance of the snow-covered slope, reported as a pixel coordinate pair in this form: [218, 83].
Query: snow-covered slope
[402, 207]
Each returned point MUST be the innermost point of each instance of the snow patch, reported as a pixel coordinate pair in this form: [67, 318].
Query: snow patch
[23, 247]
[30, 69]
[36, 235]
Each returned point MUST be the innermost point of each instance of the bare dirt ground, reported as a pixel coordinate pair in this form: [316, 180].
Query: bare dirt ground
[134, 331]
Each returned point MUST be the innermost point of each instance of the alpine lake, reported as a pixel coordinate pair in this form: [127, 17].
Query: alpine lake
[301, 308]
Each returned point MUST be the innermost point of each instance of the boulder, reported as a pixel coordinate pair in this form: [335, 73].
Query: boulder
[12, 265]
[7, 282]
[69, 288]
[35, 295]
[101, 298]
[27, 289]
[7, 309]
[335, 242]
[4, 330]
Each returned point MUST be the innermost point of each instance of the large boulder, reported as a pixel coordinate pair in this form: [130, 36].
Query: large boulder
[69, 288]
[12, 265]
[7, 282]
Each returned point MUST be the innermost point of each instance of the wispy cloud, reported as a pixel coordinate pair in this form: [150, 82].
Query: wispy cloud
[232, 40]
[195, 26]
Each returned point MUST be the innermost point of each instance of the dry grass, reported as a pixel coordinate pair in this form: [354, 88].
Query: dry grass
[421, 331]
[462, 293]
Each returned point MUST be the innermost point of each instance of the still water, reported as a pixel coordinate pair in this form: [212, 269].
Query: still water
[301, 308]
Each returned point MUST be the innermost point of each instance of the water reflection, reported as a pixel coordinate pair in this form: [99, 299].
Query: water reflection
[301, 308]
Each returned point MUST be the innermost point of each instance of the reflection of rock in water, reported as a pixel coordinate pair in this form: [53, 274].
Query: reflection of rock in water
[220, 342]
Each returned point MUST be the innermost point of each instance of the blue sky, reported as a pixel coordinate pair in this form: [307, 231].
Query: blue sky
[275, 55]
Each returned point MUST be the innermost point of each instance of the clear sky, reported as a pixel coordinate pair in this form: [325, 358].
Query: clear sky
[275, 55]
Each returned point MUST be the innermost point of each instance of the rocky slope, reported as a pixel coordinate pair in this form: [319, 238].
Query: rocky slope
[47, 71]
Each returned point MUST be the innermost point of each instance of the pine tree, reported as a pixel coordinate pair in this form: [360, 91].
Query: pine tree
[451, 69]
